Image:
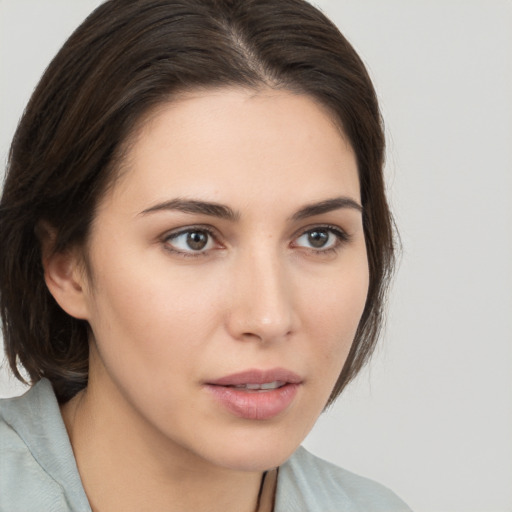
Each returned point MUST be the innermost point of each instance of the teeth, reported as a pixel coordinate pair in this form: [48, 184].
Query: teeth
[272, 385]
[257, 387]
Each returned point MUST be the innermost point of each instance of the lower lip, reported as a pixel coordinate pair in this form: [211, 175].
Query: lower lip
[254, 405]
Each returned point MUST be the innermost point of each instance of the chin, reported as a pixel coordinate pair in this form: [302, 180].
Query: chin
[258, 452]
[257, 461]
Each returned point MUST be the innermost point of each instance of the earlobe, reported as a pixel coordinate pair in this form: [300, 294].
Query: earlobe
[64, 274]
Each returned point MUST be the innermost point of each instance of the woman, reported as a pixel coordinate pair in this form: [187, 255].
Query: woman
[196, 189]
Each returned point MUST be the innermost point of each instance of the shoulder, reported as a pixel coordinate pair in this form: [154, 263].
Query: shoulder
[37, 467]
[308, 483]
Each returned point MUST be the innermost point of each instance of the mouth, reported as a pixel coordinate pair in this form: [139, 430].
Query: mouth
[257, 379]
[256, 394]
[260, 387]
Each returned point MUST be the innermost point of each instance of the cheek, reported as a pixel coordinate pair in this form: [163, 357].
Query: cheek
[335, 310]
[338, 303]
[158, 315]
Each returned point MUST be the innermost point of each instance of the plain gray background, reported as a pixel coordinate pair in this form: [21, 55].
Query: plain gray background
[432, 416]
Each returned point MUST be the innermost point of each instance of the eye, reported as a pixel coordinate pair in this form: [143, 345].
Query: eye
[190, 241]
[321, 238]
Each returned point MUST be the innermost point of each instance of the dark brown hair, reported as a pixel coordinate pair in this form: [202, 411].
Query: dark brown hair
[127, 57]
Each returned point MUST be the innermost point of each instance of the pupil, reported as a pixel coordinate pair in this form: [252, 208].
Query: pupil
[197, 240]
[318, 238]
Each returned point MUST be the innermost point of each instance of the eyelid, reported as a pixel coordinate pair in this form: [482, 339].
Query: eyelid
[330, 227]
[341, 235]
[169, 235]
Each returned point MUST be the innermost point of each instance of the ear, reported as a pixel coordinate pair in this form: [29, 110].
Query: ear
[64, 274]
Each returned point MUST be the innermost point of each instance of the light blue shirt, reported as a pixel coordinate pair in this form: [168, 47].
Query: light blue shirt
[38, 472]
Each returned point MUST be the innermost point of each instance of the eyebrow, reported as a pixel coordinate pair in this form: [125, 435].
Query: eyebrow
[198, 207]
[225, 212]
[326, 206]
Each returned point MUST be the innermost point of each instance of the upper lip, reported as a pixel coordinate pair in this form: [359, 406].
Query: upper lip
[255, 376]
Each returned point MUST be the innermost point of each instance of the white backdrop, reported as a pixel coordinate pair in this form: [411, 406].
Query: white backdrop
[432, 416]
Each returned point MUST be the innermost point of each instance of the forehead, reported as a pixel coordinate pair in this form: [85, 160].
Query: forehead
[239, 145]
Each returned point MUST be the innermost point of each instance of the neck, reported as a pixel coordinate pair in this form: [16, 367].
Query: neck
[125, 465]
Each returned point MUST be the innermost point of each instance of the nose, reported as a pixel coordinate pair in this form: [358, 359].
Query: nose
[262, 302]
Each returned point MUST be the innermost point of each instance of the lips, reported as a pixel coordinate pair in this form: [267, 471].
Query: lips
[258, 377]
[261, 387]
[256, 394]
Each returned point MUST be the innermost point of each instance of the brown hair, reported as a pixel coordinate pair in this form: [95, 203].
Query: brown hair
[127, 57]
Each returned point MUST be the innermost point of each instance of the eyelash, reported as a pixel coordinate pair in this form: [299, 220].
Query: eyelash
[342, 237]
[191, 229]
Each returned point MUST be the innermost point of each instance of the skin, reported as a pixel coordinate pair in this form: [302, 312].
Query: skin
[146, 433]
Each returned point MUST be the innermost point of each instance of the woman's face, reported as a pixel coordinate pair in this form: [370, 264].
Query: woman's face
[228, 275]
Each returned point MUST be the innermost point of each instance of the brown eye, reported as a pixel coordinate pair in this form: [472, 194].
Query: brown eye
[197, 240]
[318, 238]
[190, 241]
[321, 239]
